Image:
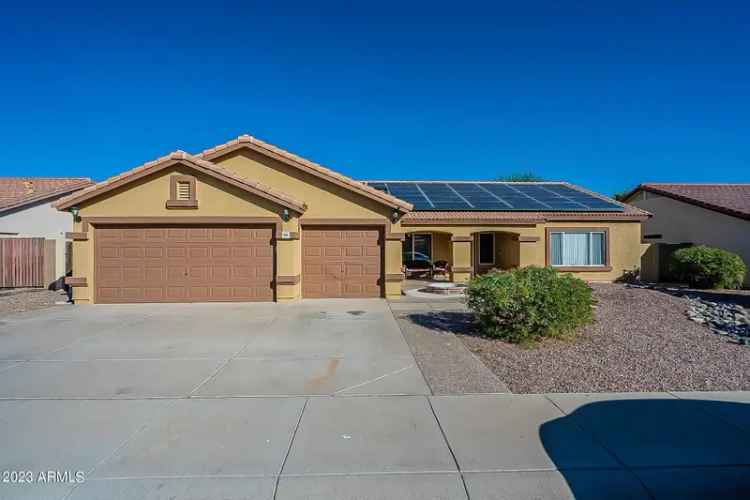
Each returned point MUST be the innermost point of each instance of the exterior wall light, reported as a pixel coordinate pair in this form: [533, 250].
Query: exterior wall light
[74, 212]
[285, 215]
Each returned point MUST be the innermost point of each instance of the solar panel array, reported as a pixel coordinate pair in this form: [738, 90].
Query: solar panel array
[508, 196]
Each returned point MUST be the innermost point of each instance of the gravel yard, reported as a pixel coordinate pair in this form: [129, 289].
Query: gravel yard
[16, 301]
[641, 341]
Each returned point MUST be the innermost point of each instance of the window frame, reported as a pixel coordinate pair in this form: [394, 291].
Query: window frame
[479, 249]
[410, 238]
[173, 202]
[604, 267]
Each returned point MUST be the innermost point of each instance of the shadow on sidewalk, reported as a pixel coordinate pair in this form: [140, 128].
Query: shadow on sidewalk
[676, 448]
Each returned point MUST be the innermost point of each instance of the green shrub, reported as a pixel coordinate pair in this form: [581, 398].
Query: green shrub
[526, 304]
[708, 267]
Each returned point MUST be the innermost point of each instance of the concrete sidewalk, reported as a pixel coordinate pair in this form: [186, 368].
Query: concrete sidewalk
[493, 446]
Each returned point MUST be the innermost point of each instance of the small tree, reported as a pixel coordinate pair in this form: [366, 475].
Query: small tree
[620, 196]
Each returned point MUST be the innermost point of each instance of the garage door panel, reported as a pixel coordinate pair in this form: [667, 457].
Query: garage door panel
[354, 270]
[176, 252]
[199, 273]
[342, 262]
[176, 293]
[263, 252]
[372, 270]
[311, 251]
[177, 234]
[198, 252]
[108, 252]
[152, 234]
[131, 293]
[106, 293]
[153, 294]
[357, 251]
[220, 252]
[133, 252]
[197, 234]
[132, 275]
[154, 252]
[179, 264]
[110, 275]
[222, 273]
[332, 289]
[176, 273]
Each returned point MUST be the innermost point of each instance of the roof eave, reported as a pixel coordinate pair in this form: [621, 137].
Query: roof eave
[692, 201]
[249, 142]
[176, 158]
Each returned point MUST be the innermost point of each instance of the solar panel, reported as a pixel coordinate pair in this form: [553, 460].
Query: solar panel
[501, 196]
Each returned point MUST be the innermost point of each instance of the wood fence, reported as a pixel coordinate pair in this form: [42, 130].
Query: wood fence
[26, 262]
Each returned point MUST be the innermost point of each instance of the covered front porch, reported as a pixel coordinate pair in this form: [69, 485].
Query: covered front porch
[457, 254]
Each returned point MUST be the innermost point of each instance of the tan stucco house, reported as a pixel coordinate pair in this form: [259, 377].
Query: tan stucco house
[248, 221]
[685, 214]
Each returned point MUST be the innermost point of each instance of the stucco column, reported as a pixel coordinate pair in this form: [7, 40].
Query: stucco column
[530, 251]
[461, 267]
[288, 262]
[394, 275]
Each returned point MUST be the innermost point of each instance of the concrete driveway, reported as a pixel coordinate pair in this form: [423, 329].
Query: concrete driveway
[219, 350]
[321, 400]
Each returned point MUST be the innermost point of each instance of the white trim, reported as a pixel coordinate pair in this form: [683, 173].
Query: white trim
[479, 249]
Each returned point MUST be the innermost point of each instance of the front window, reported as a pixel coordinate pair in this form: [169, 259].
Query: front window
[577, 248]
[417, 247]
[487, 248]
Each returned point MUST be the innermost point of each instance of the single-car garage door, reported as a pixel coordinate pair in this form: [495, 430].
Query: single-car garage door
[340, 261]
[184, 264]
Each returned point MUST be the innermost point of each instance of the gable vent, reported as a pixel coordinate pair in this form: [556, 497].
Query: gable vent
[184, 190]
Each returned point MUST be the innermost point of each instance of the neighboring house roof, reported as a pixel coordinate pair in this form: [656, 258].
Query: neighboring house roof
[247, 141]
[730, 199]
[181, 157]
[17, 192]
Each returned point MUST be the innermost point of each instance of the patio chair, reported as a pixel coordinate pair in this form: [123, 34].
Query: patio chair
[440, 268]
[417, 267]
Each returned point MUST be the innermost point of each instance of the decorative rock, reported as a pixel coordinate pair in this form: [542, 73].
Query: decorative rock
[730, 320]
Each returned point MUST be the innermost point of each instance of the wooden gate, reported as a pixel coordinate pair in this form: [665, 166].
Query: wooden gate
[22, 262]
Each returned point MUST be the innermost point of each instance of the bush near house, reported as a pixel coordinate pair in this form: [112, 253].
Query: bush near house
[527, 304]
[708, 267]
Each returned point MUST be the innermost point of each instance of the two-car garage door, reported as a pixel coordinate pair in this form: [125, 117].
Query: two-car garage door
[184, 264]
[231, 263]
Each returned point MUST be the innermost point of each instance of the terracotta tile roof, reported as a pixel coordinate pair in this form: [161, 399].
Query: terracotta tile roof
[731, 199]
[298, 161]
[16, 192]
[183, 157]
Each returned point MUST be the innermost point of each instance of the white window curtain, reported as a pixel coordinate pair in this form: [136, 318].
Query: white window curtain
[577, 249]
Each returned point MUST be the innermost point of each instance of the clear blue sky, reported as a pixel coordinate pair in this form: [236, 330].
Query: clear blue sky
[595, 93]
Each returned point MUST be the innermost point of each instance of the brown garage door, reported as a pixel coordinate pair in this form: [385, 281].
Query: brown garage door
[184, 264]
[341, 261]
